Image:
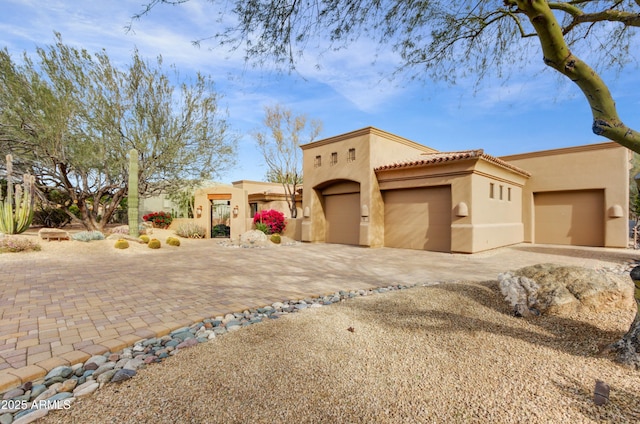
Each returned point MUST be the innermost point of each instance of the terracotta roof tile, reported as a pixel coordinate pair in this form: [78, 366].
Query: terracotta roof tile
[443, 157]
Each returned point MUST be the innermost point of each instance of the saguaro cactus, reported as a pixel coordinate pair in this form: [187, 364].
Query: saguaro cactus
[16, 213]
[132, 201]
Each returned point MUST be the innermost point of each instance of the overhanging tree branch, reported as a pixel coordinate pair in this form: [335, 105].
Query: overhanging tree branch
[557, 55]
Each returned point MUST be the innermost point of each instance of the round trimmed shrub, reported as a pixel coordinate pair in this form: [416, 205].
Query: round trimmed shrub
[275, 238]
[172, 241]
[121, 244]
[144, 239]
[154, 244]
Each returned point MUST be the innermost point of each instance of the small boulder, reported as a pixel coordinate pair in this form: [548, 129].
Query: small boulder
[253, 236]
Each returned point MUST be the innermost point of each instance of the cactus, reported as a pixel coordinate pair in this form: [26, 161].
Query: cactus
[144, 239]
[121, 244]
[173, 241]
[16, 214]
[154, 244]
[132, 201]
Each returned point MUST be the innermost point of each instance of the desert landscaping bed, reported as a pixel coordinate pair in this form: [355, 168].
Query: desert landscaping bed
[451, 352]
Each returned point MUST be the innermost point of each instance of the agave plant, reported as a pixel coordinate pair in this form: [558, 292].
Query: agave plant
[16, 213]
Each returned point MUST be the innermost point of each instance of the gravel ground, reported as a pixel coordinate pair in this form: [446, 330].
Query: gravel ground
[450, 353]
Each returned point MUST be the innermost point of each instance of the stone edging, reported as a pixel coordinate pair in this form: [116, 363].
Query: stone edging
[64, 384]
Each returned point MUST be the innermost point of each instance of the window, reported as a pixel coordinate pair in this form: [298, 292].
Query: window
[352, 155]
[491, 190]
[334, 158]
[254, 209]
[318, 162]
[509, 194]
[501, 187]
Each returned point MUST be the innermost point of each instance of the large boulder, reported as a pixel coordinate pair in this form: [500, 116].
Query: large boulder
[558, 289]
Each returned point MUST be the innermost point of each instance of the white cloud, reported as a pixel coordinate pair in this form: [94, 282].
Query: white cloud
[358, 73]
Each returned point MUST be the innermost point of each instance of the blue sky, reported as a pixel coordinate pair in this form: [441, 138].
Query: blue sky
[533, 111]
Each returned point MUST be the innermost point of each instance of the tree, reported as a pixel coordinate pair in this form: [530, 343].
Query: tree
[184, 199]
[280, 143]
[634, 198]
[71, 118]
[443, 40]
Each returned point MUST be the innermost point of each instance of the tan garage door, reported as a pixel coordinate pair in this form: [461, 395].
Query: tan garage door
[570, 217]
[418, 218]
[342, 212]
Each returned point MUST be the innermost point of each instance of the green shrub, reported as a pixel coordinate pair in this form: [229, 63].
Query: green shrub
[74, 209]
[262, 227]
[220, 230]
[87, 236]
[144, 239]
[172, 241]
[18, 244]
[154, 244]
[190, 230]
[275, 238]
[121, 244]
[51, 217]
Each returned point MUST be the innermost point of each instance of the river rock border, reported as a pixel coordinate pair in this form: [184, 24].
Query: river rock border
[64, 384]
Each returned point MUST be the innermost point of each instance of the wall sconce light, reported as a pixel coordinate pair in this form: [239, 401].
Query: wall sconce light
[616, 211]
[198, 211]
[462, 209]
[235, 211]
[307, 212]
[364, 211]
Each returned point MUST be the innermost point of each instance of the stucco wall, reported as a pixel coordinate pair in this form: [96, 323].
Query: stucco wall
[478, 222]
[238, 198]
[493, 221]
[598, 166]
[268, 196]
[156, 204]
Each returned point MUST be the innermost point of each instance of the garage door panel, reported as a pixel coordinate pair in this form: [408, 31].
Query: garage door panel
[569, 217]
[418, 218]
[342, 212]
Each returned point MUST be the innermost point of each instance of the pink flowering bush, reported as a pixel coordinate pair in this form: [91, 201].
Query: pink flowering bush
[270, 220]
[160, 219]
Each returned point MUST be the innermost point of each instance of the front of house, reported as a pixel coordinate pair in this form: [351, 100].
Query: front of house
[372, 188]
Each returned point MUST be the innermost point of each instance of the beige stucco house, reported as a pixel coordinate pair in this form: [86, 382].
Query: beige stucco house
[234, 205]
[372, 188]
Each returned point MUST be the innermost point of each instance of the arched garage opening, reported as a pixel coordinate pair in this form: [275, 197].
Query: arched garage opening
[341, 203]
